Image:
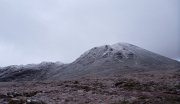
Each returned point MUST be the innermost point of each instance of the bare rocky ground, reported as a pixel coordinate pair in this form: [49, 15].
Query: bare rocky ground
[158, 87]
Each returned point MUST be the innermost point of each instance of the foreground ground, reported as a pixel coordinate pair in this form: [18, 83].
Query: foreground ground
[137, 88]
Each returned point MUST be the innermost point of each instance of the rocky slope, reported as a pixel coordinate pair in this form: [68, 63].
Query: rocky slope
[155, 87]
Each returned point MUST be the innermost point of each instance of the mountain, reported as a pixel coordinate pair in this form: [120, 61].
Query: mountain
[115, 59]
[107, 60]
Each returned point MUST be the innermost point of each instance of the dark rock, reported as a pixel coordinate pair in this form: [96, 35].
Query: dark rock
[13, 94]
[130, 55]
[119, 55]
[30, 94]
[16, 101]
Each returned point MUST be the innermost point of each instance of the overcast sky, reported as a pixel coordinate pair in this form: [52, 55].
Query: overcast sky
[32, 31]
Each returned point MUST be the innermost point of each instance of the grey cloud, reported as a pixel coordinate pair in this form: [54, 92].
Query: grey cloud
[60, 30]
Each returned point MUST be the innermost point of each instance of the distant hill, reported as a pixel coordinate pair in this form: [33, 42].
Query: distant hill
[30, 72]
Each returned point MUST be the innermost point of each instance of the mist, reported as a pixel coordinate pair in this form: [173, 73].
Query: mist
[61, 30]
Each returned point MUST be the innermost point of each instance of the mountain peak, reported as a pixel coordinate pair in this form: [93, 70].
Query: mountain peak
[124, 54]
[119, 49]
[121, 46]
